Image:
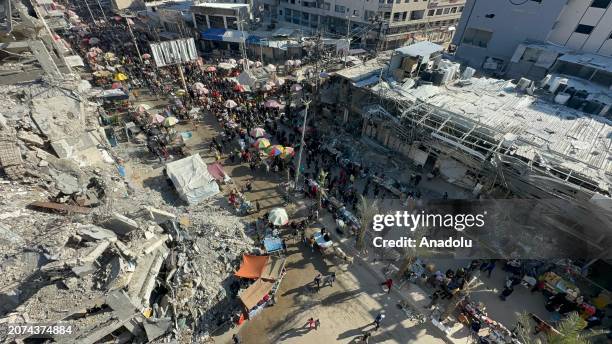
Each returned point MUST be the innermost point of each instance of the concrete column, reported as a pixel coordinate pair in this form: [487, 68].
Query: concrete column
[345, 117]
[207, 22]
[225, 22]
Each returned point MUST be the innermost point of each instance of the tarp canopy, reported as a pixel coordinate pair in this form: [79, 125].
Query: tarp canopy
[252, 266]
[192, 180]
[255, 293]
[273, 268]
[216, 170]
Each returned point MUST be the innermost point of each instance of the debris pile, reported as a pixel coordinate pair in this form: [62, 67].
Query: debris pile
[82, 246]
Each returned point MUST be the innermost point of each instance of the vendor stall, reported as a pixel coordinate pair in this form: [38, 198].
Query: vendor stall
[268, 272]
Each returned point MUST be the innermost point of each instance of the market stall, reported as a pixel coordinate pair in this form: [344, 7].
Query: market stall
[268, 272]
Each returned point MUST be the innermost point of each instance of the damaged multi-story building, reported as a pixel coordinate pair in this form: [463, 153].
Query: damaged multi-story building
[543, 139]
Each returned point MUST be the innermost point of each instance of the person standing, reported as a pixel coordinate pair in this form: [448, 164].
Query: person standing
[389, 284]
[317, 281]
[311, 323]
[235, 339]
[317, 324]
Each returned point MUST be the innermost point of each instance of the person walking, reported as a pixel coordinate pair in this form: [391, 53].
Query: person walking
[311, 323]
[366, 337]
[317, 324]
[389, 284]
[379, 318]
[317, 281]
[235, 339]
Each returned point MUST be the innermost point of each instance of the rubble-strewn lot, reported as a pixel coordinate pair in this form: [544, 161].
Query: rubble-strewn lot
[81, 245]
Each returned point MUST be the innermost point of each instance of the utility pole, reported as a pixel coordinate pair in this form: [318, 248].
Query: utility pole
[127, 20]
[180, 70]
[348, 38]
[245, 60]
[101, 9]
[299, 164]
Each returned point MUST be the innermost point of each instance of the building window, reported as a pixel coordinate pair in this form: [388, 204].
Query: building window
[585, 29]
[231, 23]
[398, 1]
[438, 11]
[416, 15]
[387, 15]
[476, 37]
[600, 3]
[454, 10]
[460, 9]
[446, 10]
[404, 15]
[340, 9]
[397, 16]
[431, 13]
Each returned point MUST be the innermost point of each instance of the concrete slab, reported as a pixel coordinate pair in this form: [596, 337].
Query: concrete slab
[120, 224]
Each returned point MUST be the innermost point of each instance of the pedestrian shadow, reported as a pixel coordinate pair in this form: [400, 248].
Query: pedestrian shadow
[340, 297]
[354, 332]
[294, 332]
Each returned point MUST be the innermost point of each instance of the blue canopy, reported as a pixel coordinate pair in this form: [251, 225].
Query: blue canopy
[213, 34]
[254, 39]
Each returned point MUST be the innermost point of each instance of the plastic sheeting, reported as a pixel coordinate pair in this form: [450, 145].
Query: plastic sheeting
[174, 52]
[192, 180]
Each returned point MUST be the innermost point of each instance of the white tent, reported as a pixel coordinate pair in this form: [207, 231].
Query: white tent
[192, 180]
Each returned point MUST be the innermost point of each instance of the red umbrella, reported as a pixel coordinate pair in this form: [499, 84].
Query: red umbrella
[211, 69]
[216, 94]
[238, 88]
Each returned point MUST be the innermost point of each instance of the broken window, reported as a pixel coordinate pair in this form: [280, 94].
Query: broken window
[600, 3]
[531, 55]
[477, 37]
[585, 29]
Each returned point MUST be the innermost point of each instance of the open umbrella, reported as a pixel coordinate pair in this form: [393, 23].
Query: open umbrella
[170, 121]
[272, 104]
[198, 85]
[231, 61]
[116, 85]
[289, 63]
[258, 132]
[211, 69]
[270, 68]
[288, 152]
[266, 87]
[120, 77]
[202, 90]
[278, 217]
[262, 143]
[238, 88]
[279, 82]
[102, 73]
[143, 107]
[275, 150]
[296, 88]
[146, 56]
[230, 104]
[157, 118]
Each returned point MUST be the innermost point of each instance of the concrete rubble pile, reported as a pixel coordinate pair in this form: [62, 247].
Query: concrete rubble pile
[81, 246]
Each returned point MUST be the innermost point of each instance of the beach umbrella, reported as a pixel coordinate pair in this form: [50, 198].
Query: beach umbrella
[238, 88]
[289, 63]
[272, 104]
[288, 152]
[202, 90]
[116, 85]
[143, 107]
[230, 104]
[262, 143]
[297, 63]
[211, 69]
[296, 88]
[170, 121]
[198, 85]
[94, 40]
[279, 82]
[275, 150]
[278, 217]
[231, 61]
[258, 64]
[120, 77]
[257, 132]
[146, 56]
[102, 73]
[157, 118]
[266, 87]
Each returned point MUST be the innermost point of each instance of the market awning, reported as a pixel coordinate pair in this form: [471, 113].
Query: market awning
[255, 293]
[234, 36]
[213, 34]
[253, 39]
[252, 266]
[273, 268]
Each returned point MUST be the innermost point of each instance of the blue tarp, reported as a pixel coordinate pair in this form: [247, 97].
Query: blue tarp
[213, 34]
[254, 39]
[273, 244]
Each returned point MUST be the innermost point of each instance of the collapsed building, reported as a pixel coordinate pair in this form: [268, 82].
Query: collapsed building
[548, 140]
[81, 245]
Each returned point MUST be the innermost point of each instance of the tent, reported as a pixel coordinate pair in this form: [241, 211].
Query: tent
[216, 170]
[264, 267]
[255, 293]
[191, 179]
[252, 266]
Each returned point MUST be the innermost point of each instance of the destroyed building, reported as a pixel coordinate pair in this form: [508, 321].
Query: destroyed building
[79, 246]
[547, 139]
